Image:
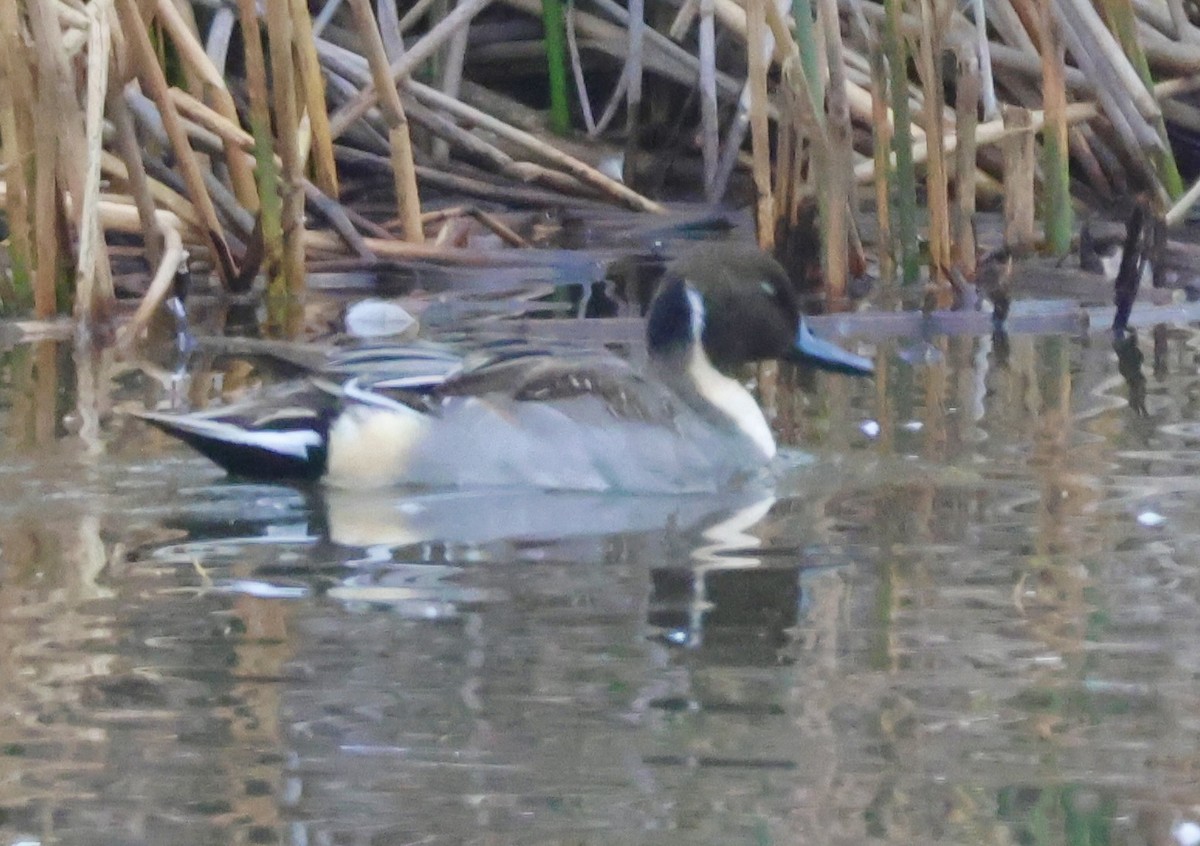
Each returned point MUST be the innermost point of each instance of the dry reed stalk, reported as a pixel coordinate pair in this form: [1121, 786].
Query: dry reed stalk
[413, 15]
[614, 100]
[135, 179]
[983, 53]
[710, 141]
[159, 288]
[1178, 212]
[1099, 36]
[151, 75]
[56, 76]
[547, 152]
[333, 212]
[402, 67]
[280, 38]
[193, 56]
[452, 72]
[313, 86]
[581, 92]
[118, 214]
[231, 135]
[47, 220]
[787, 178]
[904, 180]
[266, 171]
[732, 16]
[1056, 177]
[160, 195]
[17, 145]
[994, 131]
[683, 20]
[936, 189]
[220, 36]
[1083, 150]
[636, 29]
[191, 78]
[498, 227]
[408, 202]
[1120, 91]
[1181, 25]
[394, 249]
[675, 62]
[881, 125]
[256, 69]
[1121, 18]
[809, 113]
[1118, 117]
[760, 144]
[94, 295]
[1019, 167]
[447, 130]
[966, 105]
[838, 189]
[388, 18]
[452, 234]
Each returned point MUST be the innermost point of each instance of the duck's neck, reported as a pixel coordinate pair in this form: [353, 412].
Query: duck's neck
[715, 396]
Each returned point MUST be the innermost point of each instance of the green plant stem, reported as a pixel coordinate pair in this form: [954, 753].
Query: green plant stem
[556, 61]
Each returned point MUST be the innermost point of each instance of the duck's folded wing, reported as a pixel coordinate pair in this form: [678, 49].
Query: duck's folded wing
[418, 366]
[533, 376]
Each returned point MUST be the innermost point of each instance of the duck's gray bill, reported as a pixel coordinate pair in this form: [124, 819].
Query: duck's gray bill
[810, 349]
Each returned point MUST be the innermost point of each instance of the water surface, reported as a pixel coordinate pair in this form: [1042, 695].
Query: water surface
[964, 609]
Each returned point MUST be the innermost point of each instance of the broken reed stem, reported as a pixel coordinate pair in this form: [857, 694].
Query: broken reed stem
[290, 283]
[757, 48]
[408, 202]
[1019, 167]
[1056, 178]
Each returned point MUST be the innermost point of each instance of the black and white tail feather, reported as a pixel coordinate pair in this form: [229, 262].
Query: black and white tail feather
[284, 434]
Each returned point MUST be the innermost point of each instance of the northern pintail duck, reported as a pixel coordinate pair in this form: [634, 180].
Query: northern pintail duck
[517, 415]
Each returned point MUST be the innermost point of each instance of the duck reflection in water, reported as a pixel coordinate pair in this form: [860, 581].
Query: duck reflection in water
[713, 584]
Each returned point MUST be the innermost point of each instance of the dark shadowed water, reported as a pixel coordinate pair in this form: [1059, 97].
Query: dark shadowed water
[965, 610]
